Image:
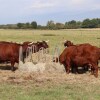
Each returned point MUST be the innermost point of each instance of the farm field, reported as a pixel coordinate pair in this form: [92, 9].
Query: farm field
[50, 86]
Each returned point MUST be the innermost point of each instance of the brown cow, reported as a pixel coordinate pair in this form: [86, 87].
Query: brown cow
[38, 45]
[68, 43]
[81, 55]
[9, 52]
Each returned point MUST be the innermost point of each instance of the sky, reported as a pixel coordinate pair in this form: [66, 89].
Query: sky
[41, 11]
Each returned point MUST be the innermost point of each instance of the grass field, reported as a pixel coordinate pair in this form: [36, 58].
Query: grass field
[62, 92]
[56, 37]
[50, 87]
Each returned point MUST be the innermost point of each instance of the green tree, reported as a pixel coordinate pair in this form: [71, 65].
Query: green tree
[94, 23]
[86, 23]
[71, 24]
[59, 26]
[27, 25]
[34, 25]
[51, 25]
[19, 25]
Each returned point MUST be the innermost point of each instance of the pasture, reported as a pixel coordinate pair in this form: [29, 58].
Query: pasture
[47, 86]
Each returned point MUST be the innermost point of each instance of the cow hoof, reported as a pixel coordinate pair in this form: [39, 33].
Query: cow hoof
[13, 69]
[96, 75]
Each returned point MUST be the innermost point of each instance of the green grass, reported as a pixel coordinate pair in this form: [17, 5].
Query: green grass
[60, 92]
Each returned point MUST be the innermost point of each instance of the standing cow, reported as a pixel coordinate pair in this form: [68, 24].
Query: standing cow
[81, 55]
[9, 52]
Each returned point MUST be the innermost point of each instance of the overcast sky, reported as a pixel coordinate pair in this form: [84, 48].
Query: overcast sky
[14, 11]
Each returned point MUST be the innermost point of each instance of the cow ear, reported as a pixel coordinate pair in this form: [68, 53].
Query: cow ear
[31, 43]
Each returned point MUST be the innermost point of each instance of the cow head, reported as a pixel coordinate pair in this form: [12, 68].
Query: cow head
[68, 43]
[42, 44]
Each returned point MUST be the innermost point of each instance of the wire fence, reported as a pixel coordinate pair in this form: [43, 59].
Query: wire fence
[42, 55]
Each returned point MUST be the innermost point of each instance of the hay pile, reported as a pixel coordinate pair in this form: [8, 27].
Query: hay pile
[41, 67]
[30, 67]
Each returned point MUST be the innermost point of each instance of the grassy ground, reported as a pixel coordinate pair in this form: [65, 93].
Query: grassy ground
[56, 37]
[51, 87]
[62, 92]
[66, 87]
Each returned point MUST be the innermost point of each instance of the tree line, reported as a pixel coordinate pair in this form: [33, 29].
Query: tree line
[86, 23]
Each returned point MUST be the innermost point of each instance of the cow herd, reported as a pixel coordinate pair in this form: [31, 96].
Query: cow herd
[73, 56]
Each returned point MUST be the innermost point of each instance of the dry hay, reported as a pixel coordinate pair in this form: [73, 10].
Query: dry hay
[54, 74]
[39, 57]
[41, 73]
[30, 67]
[40, 67]
[41, 62]
[42, 79]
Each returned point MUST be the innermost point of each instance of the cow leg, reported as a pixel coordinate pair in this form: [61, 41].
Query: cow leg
[92, 71]
[12, 65]
[67, 68]
[96, 71]
[77, 70]
[91, 67]
[74, 69]
[86, 68]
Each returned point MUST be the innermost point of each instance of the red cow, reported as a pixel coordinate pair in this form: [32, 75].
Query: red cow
[38, 45]
[81, 55]
[68, 44]
[9, 52]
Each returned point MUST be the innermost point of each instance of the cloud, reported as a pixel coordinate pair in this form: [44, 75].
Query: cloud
[77, 2]
[42, 5]
[52, 6]
[85, 5]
